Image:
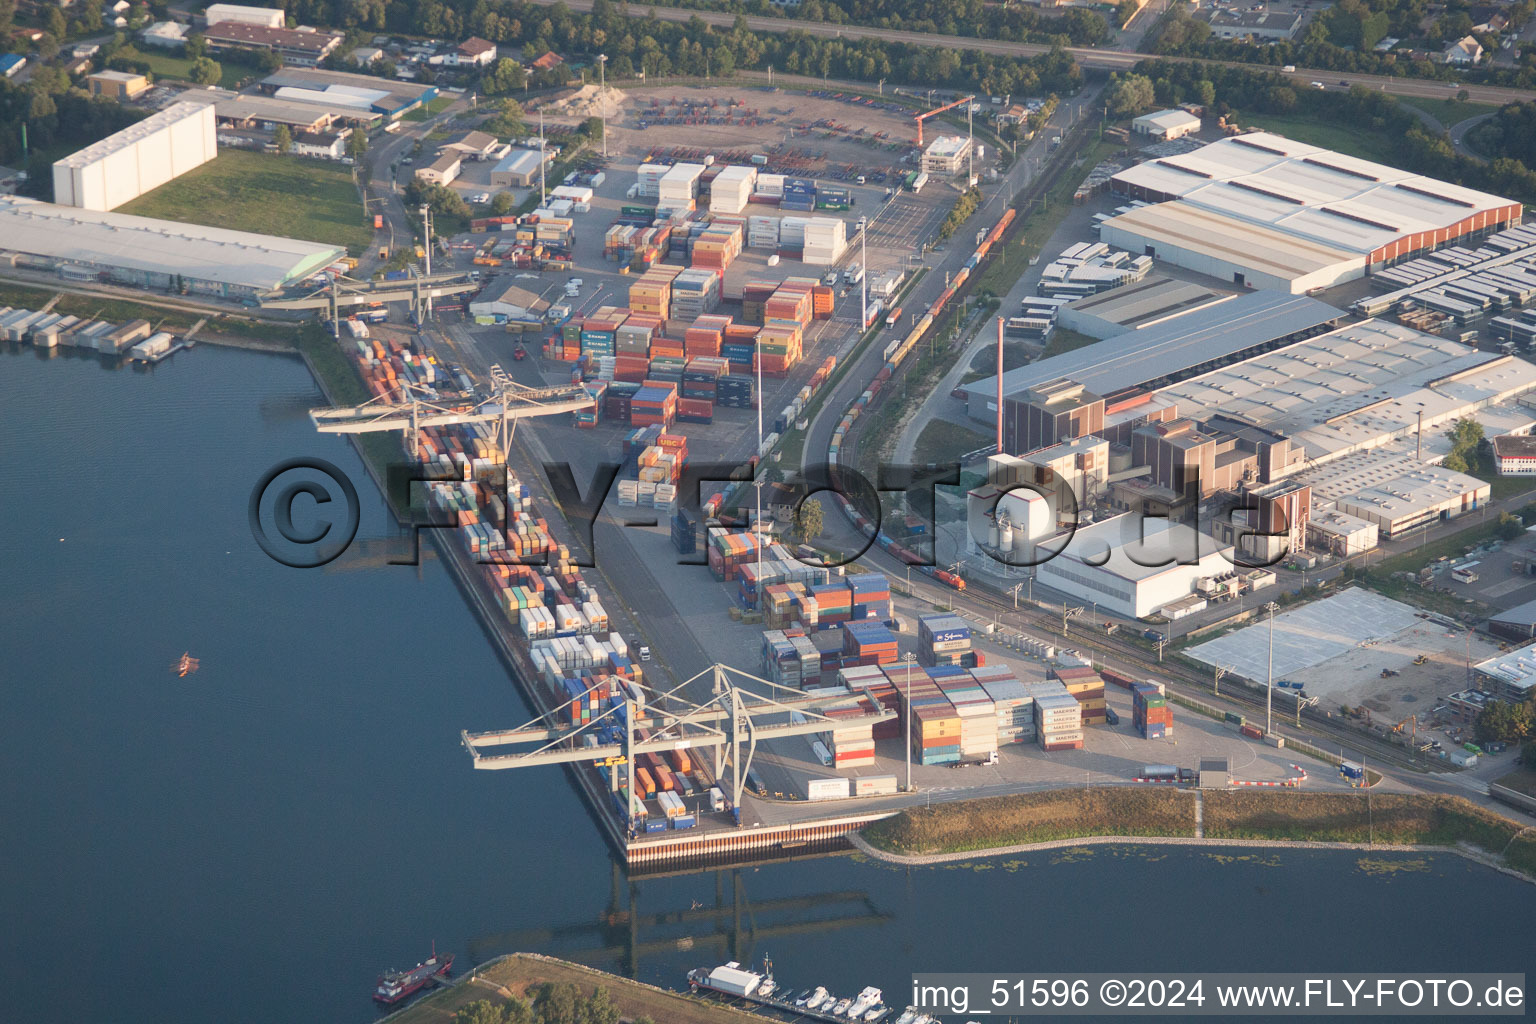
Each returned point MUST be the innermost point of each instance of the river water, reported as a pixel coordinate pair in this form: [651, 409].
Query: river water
[255, 841]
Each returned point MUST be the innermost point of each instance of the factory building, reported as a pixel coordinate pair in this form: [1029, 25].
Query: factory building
[340, 90]
[139, 158]
[1131, 307]
[1131, 565]
[1333, 217]
[1166, 124]
[1155, 356]
[946, 155]
[305, 48]
[518, 169]
[1515, 454]
[143, 252]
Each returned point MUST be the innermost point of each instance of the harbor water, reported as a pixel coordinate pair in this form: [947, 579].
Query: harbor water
[255, 841]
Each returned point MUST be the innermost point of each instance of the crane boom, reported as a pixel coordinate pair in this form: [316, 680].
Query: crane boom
[920, 118]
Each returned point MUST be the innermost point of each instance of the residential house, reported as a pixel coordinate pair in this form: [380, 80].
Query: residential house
[475, 51]
[322, 145]
[1465, 51]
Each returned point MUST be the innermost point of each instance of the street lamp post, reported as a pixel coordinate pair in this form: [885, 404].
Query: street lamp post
[863, 277]
[602, 96]
[1269, 690]
[908, 730]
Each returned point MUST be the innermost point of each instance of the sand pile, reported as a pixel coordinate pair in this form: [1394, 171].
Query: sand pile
[587, 102]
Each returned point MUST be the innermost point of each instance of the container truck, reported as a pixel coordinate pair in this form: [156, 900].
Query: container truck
[919, 181]
[1160, 771]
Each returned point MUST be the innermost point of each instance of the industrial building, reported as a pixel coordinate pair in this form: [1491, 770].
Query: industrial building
[1130, 307]
[1131, 565]
[504, 299]
[139, 158]
[1166, 124]
[946, 155]
[146, 253]
[341, 90]
[170, 35]
[117, 85]
[518, 169]
[1158, 355]
[442, 171]
[1509, 677]
[294, 46]
[1518, 623]
[1389, 489]
[1231, 204]
[265, 113]
[472, 145]
[1253, 23]
[217, 14]
[1515, 454]
[1361, 386]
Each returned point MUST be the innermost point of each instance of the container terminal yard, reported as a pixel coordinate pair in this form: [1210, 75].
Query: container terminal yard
[694, 304]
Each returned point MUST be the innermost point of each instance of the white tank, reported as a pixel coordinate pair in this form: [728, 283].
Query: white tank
[992, 535]
[1005, 538]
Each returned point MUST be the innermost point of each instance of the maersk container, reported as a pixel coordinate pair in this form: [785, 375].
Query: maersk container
[656, 824]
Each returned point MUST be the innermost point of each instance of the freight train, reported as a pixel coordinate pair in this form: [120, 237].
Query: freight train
[895, 354]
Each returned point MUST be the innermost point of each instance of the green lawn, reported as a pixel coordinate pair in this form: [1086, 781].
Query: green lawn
[1065, 340]
[165, 66]
[942, 441]
[1449, 112]
[432, 109]
[1329, 135]
[278, 195]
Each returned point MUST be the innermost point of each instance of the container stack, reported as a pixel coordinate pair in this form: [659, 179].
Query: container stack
[695, 293]
[777, 351]
[1087, 687]
[977, 712]
[792, 236]
[654, 404]
[850, 740]
[1014, 706]
[755, 293]
[769, 189]
[685, 532]
[833, 199]
[943, 640]
[1058, 719]
[599, 331]
[650, 176]
[871, 593]
[679, 187]
[867, 643]
[705, 336]
[825, 241]
[790, 659]
[935, 728]
[834, 603]
[822, 301]
[652, 292]
[739, 347]
[717, 247]
[1150, 712]
[799, 194]
[732, 189]
[789, 307]
[729, 550]
[762, 232]
[736, 391]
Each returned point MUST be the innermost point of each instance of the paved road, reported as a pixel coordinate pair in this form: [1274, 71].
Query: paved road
[1088, 57]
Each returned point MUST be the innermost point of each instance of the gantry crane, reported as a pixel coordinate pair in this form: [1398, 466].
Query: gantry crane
[731, 722]
[419, 290]
[920, 118]
[507, 403]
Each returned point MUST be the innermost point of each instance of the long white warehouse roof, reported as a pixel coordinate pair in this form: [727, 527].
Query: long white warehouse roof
[135, 132]
[1340, 200]
[240, 258]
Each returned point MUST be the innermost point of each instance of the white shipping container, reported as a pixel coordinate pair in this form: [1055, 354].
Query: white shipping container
[826, 789]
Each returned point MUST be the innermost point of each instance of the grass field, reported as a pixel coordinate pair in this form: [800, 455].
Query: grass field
[431, 109]
[943, 441]
[1449, 112]
[520, 975]
[1330, 818]
[1036, 818]
[276, 195]
[164, 66]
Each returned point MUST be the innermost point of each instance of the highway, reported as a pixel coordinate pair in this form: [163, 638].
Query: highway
[1088, 57]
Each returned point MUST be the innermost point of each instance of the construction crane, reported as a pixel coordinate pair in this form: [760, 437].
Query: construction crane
[732, 722]
[920, 118]
[507, 403]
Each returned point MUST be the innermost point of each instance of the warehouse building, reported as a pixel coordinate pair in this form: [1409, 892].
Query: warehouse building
[265, 113]
[271, 17]
[1517, 624]
[1260, 25]
[518, 169]
[155, 254]
[139, 158]
[1363, 386]
[946, 155]
[117, 85]
[1166, 124]
[504, 299]
[1334, 217]
[1131, 307]
[1155, 356]
[1509, 677]
[1130, 565]
[340, 89]
[1515, 454]
[305, 48]
[1388, 488]
[442, 171]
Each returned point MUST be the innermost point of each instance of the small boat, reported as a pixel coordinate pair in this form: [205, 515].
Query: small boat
[394, 986]
[878, 1012]
[818, 996]
[908, 1016]
[800, 999]
[185, 665]
[841, 1007]
[765, 988]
